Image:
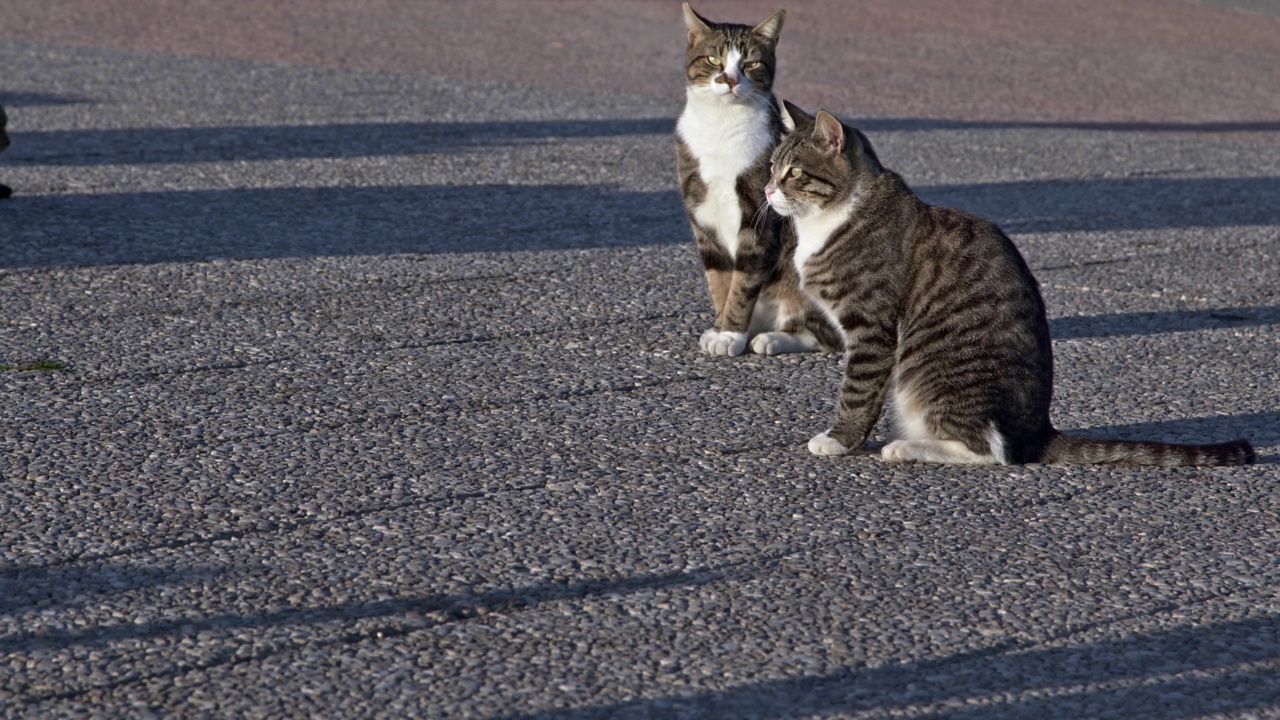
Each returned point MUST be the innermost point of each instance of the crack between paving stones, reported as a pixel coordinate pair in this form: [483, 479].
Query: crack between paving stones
[280, 527]
[159, 374]
[479, 407]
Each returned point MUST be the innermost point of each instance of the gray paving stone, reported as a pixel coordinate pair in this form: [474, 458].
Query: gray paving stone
[393, 407]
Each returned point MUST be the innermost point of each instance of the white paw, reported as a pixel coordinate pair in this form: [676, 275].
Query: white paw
[731, 343]
[897, 451]
[779, 343]
[824, 444]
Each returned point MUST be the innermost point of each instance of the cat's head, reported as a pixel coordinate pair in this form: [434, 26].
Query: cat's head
[734, 63]
[820, 163]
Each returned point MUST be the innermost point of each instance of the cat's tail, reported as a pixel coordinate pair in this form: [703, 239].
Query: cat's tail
[1072, 450]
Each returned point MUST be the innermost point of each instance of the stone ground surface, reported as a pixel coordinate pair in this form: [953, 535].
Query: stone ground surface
[382, 394]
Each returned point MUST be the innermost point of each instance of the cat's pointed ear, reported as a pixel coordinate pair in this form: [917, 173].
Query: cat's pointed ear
[788, 124]
[793, 117]
[771, 27]
[828, 131]
[697, 24]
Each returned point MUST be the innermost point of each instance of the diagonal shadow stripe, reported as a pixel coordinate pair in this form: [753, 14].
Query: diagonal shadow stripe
[453, 607]
[189, 225]
[1153, 323]
[1115, 203]
[86, 230]
[1261, 428]
[25, 588]
[906, 124]
[344, 140]
[290, 142]
[1007, 680]
[11, 99]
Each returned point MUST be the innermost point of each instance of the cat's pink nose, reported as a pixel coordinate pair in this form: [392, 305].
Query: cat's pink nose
[769, 190]
[728, 79]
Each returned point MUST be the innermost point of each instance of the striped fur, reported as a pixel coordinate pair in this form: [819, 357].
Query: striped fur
[724, 137]
[941, 315]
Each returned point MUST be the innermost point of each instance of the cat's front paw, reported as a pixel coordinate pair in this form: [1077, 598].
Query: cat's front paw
[824, 444]
[779, 343]
[897, 451]
[715, 342]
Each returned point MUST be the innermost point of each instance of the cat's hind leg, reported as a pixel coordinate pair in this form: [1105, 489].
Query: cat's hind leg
[921, 438]
[778, 326]
[948, 452]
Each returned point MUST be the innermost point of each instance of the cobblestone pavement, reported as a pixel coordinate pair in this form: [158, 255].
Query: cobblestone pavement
[352, 371]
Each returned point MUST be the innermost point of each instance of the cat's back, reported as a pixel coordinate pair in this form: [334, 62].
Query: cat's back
[968, 276]
[973, 249]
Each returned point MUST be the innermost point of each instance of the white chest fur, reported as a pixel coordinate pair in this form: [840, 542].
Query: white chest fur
[726, 138]
[813, 232]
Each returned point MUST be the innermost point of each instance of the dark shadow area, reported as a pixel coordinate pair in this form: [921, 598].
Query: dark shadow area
[25, 589]
[11, 99]
[1262, 429]
[291, 142]
[926, 124]
[1115, 203]
[1152, 323]
[192, 225]
[1180, 673]
[416, 612]
[87, 230]
[343, 140]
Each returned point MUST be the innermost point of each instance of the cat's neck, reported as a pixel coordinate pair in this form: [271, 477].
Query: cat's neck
[726, 137]
[815, 230]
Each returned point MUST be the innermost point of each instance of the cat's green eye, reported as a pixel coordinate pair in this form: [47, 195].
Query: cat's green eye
[753, 65]
[715, 61]
[795, 172]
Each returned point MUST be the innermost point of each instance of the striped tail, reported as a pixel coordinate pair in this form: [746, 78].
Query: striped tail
[1072, 450]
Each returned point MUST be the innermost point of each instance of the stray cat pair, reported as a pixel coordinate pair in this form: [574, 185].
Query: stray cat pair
[809, 243]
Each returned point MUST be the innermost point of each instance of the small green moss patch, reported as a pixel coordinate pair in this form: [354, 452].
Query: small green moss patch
[37, 365]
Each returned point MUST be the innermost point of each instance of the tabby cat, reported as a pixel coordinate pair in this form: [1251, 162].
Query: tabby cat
[729, 126]
[4, 143]
[940, 313]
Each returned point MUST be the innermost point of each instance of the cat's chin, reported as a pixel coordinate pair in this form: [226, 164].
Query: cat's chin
[782, 208]
[729, 97]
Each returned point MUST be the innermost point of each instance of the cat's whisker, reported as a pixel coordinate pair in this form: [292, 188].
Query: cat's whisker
[805, 205]
[760, 215]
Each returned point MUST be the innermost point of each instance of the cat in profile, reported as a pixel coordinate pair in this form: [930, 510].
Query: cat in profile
[942, 317]
[5, 191]
[729, 127]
